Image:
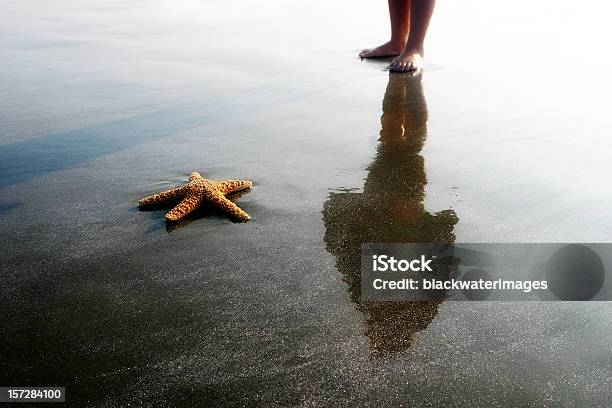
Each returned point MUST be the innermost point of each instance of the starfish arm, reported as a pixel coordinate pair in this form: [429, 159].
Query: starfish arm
[164, 196]
[226, 205]
[231, 186]
[195, 175]
[190, 202]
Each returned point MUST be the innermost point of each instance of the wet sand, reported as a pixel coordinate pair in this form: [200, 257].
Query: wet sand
[106, 103]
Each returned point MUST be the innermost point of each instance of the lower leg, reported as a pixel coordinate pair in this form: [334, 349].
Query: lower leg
[399, 13]
[411, 58]
[420, 16]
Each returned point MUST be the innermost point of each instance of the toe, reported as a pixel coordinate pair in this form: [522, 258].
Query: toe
[399, 66]
[365, 53]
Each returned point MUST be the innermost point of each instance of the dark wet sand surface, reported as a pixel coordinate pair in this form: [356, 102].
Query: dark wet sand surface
[106, 103]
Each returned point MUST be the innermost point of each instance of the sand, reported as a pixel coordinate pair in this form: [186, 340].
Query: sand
[106, 102]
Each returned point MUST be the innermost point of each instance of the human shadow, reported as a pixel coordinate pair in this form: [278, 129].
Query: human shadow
[390, 210]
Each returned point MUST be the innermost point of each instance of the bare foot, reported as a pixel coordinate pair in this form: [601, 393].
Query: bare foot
[388, 49]
[407, 61]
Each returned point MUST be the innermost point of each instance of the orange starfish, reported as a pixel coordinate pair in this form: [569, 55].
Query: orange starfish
[198, 191]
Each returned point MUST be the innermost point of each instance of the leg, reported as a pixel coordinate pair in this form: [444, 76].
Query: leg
[164, 196]
[190, 202]
[393, 110]
[231, 186]
[411, 59]
[226, 205]
[399, 13]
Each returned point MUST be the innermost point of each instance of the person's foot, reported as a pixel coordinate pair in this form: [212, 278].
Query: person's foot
[407, 61]
[388, 49]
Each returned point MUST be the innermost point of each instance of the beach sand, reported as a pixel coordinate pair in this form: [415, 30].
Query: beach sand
[105, 102]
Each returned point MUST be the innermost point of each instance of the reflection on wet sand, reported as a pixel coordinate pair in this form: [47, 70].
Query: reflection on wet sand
[390, 209]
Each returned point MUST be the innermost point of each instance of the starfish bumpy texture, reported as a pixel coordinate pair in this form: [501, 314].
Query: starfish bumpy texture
[198, 191]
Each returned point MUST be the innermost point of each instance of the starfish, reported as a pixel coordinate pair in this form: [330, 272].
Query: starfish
[198, 191]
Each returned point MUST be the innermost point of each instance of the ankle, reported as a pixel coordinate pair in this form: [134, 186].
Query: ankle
[398, 43]
[414, 49]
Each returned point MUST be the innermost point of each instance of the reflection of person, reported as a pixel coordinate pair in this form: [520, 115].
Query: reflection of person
[390, 209]
[409, 23]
